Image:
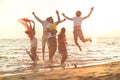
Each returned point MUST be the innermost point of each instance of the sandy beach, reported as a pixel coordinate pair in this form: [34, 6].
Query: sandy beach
[110, 71]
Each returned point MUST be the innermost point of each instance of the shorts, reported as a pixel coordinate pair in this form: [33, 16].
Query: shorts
[78, 33]
[52, 42]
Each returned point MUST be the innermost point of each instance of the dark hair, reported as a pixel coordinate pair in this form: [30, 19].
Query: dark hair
[79, 13]
[63, 30]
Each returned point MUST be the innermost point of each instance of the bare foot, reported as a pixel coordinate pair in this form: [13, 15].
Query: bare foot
[80, 49]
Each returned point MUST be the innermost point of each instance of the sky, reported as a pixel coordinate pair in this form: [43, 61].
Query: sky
[103, 22]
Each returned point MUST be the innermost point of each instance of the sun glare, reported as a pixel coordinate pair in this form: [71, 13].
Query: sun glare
[104, 19]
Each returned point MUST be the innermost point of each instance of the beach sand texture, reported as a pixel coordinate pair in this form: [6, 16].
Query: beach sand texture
[110, 71]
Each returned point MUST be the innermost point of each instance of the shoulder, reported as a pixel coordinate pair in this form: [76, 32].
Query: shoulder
[78, 18]
[73, 18]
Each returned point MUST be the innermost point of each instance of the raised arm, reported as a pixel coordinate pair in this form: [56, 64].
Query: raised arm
[37, 18]
[58, 16]
[66, 17]
[24, 22]
[62, 20]
[89, 13]
[32, 26]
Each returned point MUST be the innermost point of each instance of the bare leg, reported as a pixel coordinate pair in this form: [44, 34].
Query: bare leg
[85, 40]
[76, 38]
[44, 41]
[77, 44]
[34, 55]
[43, 53]
[30, 55]
[81, 36]
[52, 45]
[64, 57]
[52, 51]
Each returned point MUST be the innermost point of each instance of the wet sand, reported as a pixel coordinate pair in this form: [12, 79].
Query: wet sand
[110, 71]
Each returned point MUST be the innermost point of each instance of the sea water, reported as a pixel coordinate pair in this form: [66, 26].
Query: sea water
[14, 59]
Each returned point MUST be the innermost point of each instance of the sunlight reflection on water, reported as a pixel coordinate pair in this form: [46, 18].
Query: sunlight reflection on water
[13, 58]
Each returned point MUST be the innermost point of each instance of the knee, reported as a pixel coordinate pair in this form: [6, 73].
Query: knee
[83, 40]
[75, 40]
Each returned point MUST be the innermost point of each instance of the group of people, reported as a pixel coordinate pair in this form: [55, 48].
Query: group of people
[50, 33]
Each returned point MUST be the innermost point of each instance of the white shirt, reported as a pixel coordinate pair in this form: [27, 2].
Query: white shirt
[33, 42]
[49, 33]
[77, 21]
[44, 24]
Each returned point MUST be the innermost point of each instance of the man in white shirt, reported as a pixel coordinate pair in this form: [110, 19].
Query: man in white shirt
[44, 36]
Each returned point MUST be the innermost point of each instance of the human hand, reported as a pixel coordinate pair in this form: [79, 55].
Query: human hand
[57, 12]
[64, 19]
[63, 14]
[92, 8]
[32, 21]
[33, 13]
